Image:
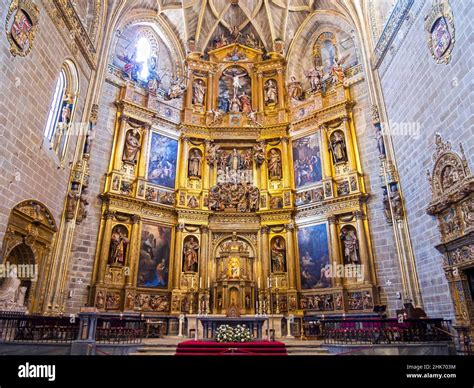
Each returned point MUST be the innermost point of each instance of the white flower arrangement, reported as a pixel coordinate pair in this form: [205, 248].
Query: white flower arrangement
[239, 333]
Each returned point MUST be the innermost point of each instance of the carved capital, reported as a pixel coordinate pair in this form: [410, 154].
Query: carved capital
[290, 227]
[265, 229]
[135, 219]
[359, 215]
[204, 230]
[332, 220]
[109, 215]
[180, 227]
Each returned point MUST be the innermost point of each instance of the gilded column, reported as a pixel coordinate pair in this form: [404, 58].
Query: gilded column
[327, 170]
[363, 249]
[281, 89]
[210, 91]
[189, 92]
[177, 256]
[260, 91]
[265, 258]
[132, 260]
[143, 152]
[286, 163]
[290, 255]
[203, 273]
[350, 145]
[120, 143]
[335, 247]
[263, 173]
[104, 249]
[183, 171]
[206, 177]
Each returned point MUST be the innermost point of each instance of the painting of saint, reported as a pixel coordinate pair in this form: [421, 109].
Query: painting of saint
[314, 257]
[162, 160]
[153, 266]
[307, 160]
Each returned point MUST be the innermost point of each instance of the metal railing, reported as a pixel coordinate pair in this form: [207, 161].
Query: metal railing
[119, 330]
[384, 331]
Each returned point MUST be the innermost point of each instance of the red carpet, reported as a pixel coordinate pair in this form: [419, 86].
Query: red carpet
[212, 348]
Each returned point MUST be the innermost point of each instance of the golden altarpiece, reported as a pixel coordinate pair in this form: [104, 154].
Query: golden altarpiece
[245, 201]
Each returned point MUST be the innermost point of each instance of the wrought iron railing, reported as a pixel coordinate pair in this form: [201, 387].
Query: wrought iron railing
[384, 331]
[115, 330]
[37, 329]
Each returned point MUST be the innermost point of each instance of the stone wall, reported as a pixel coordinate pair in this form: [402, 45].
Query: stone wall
[27, 84]
[432, 98]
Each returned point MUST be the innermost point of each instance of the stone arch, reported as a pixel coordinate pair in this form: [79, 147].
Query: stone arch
[29, 239]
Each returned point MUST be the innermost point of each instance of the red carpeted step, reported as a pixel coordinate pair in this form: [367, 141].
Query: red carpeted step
[212, 348]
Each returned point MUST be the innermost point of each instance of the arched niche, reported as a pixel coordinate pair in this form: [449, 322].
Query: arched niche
[29, 241]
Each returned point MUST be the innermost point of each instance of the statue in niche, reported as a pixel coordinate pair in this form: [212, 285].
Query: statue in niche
[10, 288]
[315, 77]
[193, 202]
[234, 268]
[194, 163]
[386, 206]
[350, 245]
[271, 93]
[132, 146]
[338, 147]
[61, 128]
[337, 72]
[295, 89]
[259, 153]
[118, 245]
[212, 153]
[245, 103]
[235, 105]
[235, 160]
[380, 142]
[223, 104]
[274, 164]
[100, 300]
[278, 254]
[190, 254]
[71, 202]
[396, 202]
[247, 301]
[199, 92]
[82, 210]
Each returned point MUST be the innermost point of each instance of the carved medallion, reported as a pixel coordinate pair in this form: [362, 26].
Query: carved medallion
[439, 26]
[20, 25]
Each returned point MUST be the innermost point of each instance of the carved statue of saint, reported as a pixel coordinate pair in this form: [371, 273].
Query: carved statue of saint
[274, 164]
[190, 254]
[271, 93]
[71, 202]
[245, 103]
[199, 92]
[295, 89]
[396, 202]
[351, 246]
[338, 147]
[380, 143]
[278, 254]
[132, 146]
[337, 71]
[234, 161]
[259, 153]
[194, 163]
[118, 245]
[10, 288]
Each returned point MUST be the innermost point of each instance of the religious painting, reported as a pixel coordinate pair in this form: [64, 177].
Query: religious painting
[439, 26]
[162, 160]
[235, 91]
[190, 254]
[21, 24]
[278, 254]
[154, 260]
[314, 257]
[307, 160]
[118, 245]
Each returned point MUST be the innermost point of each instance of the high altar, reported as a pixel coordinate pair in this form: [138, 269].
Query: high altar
[237, 196]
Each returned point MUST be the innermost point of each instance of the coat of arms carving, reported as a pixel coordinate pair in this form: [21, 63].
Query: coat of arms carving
[439, 26]
[20, 25]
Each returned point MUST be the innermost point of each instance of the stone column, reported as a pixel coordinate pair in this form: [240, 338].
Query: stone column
[183, 163]
[104, 249]
[265, 258]
[363, 248]
[335, 248]
[178, 256]
[326, 158]
[132, 260]
[290, 256]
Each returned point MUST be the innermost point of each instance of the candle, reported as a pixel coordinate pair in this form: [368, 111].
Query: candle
[208, 282]
[200, 282]
[276, 282]
[259, 282]
[192, 282]
[268, 282]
